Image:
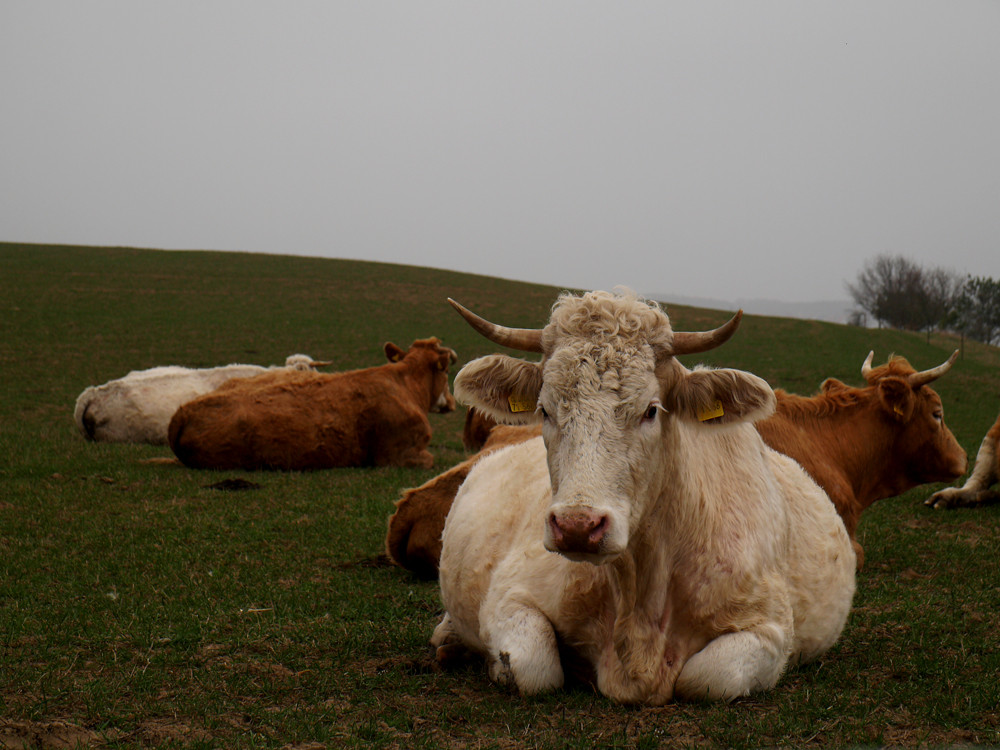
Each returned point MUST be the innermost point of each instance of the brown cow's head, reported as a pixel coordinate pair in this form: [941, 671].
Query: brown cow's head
[438, 359]
[926, 448]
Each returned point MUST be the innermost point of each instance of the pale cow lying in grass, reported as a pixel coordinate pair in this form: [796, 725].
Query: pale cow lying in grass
[986, 473]
[691, 560]
[137, 408]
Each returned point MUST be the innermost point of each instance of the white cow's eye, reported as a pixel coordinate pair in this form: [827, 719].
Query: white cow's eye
[651, 410]
[541, 410]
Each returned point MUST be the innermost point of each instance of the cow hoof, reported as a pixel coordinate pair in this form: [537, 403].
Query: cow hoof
[947, 499]
[448, 655]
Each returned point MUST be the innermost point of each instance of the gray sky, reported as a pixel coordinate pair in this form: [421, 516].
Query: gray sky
[725, 149]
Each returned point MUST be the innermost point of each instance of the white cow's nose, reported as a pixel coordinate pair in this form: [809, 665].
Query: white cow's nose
[578, 531]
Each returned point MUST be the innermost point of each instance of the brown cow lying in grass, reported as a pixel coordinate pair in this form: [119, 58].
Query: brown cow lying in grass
[414, 538]
[305, 420]
[859, 444]
[985, 473]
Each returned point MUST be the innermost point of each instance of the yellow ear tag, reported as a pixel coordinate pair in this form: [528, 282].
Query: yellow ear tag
[711, 412]
[521, 403]
[395, 358]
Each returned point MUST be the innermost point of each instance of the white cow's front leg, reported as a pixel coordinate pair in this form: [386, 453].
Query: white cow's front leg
[975, 491]
[522, 648]
[734, 665]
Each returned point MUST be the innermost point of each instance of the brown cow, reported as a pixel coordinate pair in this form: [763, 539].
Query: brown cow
[985, 473]
[859, 444]
[865, 444]
[414, 537]
[305, 420]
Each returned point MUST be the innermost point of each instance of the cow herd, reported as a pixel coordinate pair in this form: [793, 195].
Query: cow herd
[291, 417]
[665, 532]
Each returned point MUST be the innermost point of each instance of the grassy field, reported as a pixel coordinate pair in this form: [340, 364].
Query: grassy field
[142, 606]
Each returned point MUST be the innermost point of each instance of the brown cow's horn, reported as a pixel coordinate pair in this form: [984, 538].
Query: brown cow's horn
[524, 339]
[694, 342]
[918, 379]
[866, 368]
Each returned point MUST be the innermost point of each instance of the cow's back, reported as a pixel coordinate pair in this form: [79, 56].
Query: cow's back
[275, 420]
[137, 408]
[298, 421]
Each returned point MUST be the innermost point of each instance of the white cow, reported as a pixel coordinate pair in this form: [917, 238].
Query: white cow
[137, 407]
[649, 531]
[985, 473]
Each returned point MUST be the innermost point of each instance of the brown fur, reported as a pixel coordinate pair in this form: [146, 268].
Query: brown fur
[864, 444]
[477, 429]
[307, 420]
[849, 440]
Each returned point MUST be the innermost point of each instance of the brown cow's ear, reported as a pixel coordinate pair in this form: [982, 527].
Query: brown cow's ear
[832, 384]
[896, 398]
[503, 387]
[393, 353]
[719, 397]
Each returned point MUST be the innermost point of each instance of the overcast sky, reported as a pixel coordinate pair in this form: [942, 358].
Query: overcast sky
[726, 149]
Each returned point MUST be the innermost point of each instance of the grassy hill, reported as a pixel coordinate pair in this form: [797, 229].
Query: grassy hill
[141, 606]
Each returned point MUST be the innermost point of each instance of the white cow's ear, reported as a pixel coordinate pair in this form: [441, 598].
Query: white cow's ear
[503, 387]
[719, 397]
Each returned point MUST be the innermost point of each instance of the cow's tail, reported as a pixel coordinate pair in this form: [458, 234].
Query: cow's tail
[175, 433]
[398, 533]
[421, 559]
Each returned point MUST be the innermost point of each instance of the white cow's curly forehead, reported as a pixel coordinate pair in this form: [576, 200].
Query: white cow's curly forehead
[603, 345]
[579, 372]
[622, 321]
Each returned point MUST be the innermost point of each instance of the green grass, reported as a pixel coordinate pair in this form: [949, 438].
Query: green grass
[139, 606]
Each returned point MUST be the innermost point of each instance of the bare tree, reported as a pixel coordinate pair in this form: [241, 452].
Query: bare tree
[898, 293]
[888, 289]
[939, 291]
[977, 309]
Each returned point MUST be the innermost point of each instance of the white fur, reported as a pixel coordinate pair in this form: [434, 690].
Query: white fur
[983, 476]
[137, 408]
[505, 594]
[722, 561]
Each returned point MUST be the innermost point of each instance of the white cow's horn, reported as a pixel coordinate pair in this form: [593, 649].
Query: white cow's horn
[918, 379]
[523, 339]
[694, 342]
[866, 366]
